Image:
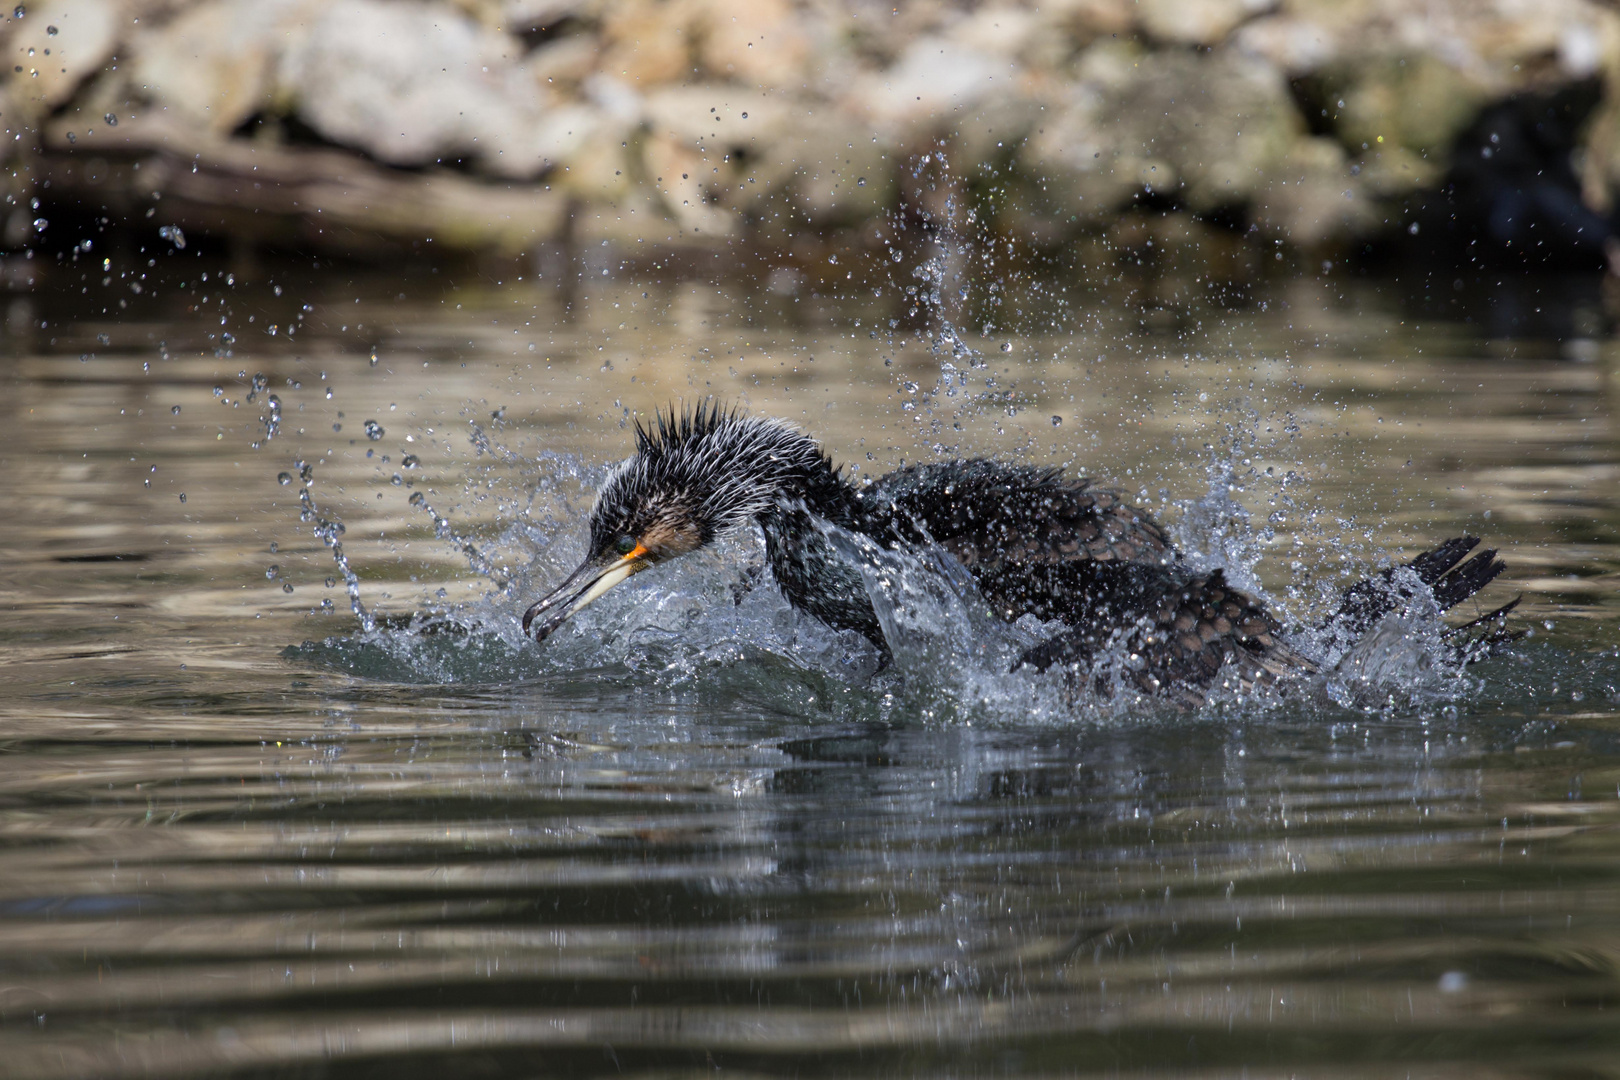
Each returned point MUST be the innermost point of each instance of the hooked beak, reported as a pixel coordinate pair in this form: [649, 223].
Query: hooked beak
[587, 583]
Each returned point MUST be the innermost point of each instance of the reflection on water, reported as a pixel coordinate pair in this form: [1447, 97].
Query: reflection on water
[243, 837]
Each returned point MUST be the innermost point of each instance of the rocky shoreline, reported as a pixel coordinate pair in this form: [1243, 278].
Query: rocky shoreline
[370, 127]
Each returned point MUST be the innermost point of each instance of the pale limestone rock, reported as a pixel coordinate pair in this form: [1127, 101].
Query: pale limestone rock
[1086, 20]
[840, 175]
[214, 65]
[518, 16]
[1210, 128]
[562, 66]
[54, 65]
[649, 42]
[412, 83]
[687, 179]
[994, 130]
[763, 42]
[1310, 198]
[1418, 104]
[934, 76]
[1198, 22]
[998, 29]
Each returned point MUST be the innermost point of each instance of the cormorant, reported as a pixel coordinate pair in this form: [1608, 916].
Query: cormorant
[1035, 541]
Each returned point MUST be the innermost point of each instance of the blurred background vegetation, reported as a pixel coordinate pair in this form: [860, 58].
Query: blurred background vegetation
[1468, 132]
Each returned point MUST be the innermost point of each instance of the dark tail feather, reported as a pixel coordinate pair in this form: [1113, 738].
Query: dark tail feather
[1432, 565]
[1451, 579]
[1491, 634]
[1494, 616]
[1466, 580]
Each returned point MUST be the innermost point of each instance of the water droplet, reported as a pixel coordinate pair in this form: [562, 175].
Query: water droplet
[286, 586]
[51, 30]
[410, 461]
[330, 582]
[861, 182]
[40, 223]
[175, 410]
[397, 480]
[328, 393]
[374, 430]
[417, 498]
[173, 235]
[283, 478]
[182, 496]
[112, 121]
[1006, 346]
[1057, 421]
[373, 357]
[20, 12]
[219, 391]
[272, 571]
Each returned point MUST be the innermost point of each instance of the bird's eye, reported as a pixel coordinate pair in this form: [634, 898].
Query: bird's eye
[625, 545]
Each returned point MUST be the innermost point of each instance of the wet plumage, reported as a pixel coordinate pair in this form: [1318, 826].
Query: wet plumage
[1035, 541]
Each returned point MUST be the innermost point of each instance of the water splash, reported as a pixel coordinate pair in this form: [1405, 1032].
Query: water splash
[329, 531]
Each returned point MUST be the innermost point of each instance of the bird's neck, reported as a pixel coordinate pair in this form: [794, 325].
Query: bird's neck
[755, 478]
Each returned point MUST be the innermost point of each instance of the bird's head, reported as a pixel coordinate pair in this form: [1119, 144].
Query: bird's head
[694, 475]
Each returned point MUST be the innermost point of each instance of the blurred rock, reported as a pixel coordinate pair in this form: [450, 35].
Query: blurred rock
[1206, 129]
[1311, 198]
[55, 47]
[1198, 22]
[932, 77]
[413, 84]
[763, 42]
[214, 65]
[1307, 121]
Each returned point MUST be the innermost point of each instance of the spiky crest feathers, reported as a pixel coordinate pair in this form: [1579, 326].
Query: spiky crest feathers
[708, 468]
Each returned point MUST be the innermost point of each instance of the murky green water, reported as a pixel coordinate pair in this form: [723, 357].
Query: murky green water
[242, 837]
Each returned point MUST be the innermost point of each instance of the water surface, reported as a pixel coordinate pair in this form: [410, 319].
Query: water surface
[243, 835]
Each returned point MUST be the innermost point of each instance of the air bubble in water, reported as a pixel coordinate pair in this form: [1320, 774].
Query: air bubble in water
[283, 478]
[417, 499]
[374, 430]
[1057, 421]
[410, 461]
[272, 572]
[112, 121]
[1006, 346]
[182, 496]
[286, 586]
[175, 410]
[173, 235]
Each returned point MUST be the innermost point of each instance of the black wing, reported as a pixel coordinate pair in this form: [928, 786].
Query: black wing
[1200, 630]
[993, 516]
[1035, 541]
